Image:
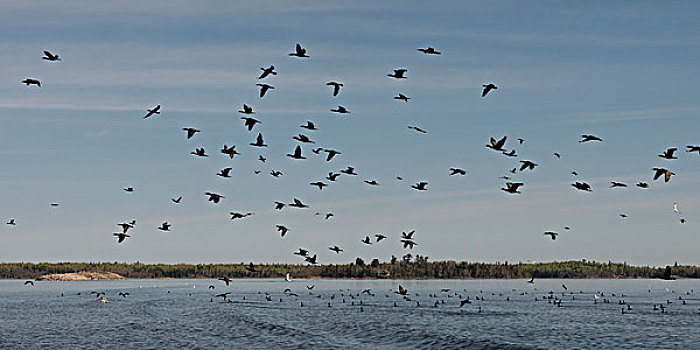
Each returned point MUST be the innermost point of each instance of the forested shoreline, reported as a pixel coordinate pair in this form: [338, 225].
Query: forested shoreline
[407, 267]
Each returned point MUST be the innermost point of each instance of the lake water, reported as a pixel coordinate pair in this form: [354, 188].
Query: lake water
[184, 314]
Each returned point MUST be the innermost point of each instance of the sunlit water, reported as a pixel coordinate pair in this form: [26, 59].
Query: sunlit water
[184, 314]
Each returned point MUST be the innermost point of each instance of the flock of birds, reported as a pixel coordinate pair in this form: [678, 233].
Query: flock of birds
[299, 153]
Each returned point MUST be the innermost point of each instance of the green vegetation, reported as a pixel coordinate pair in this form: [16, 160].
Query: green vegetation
[408, 267]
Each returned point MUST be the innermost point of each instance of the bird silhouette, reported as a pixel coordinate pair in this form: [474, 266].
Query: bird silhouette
[279, 205]
[31, 81]
[668, 154]
[303, 138]
[230, 151]
[398, 73]
[510, 154]
[250, 122]
[121, 236]
[267, 71]
[336, 87]
[420, 186]
[641, 184]
[246, 109]
[349, 171]
[464, 302]
[512, 187]
[408, 235]
[282, 230]
[225, 172]
[200, 152]
[408, 243]
[665, 172]
[379, 237]
[261, 158]
[155, 110]
[331, 153]
[617, 184]
[309, 125]
[319, 184]
[430, 51]
[276, 173]
[582, 186]
[298, 204]
[340, 109]
[336, 249]
[311, 259]
[457, 171]
[487, 88]
[29, 283]
[259, 142]
[552, 234]
[177, 200]
[299, 52]
[296, 154]
[302, 252]
[332, 176]
[402, 97]
[226, 280]
[50, 57]
[497, 145]
[587, 138]
[372, 182]
[123, 294]
[264, 88]
[191, 132]
[366, 240]
[691, 149]
[527, 165]
[417, 129]
[214, 197]
[401, 290]
[165, 226]
[129, 189]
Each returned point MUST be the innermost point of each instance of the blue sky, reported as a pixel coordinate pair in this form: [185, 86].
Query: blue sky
[627, 73]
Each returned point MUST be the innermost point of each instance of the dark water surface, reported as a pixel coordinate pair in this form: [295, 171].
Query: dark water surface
[180, 314]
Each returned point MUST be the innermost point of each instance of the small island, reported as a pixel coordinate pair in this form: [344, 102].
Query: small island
[81, 276]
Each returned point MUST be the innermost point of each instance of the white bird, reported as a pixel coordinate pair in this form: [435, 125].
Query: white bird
[288, 277]
[675, 208]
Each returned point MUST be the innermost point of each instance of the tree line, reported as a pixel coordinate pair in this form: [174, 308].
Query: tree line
[406, 267]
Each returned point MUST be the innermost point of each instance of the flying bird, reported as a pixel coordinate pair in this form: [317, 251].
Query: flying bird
[267, 71]
[129, 189]
[586, 138]
[372, 182]
[259, 142]
[200, 152]
[309, 125]
[331, 153]
[420, 186]
[299, 52]
[296, 154]
[31, 81]
[430, 51]
[668, 154]
[527, 165]
[264, 88]
[303, 138]
[497, 145]
[230, 151]
[366, 240]
[121, 236]
[379, 237]
[617, 184]
[336, 249]
[336, 87]
[401, 291]
[661, 171]
[488, 87]
[398, 73]
[641, 184]
[340, 109]
[349, 171]
[250, 122]
[582, 186]
[320, 184]
[408, 243]
[311, 259]
[191, 132]
[237, 215]
[693, 149]
[302, 252]
[176, 200]
[512, 187]
[417, 129]
[332, 176]
[402, 97]
[261, 158]
[552, 234]
[226, 280]
[246, 109]
[276, 173]
[282, 230]
[457, 171]
[50, 57]
[408, 235]
[225, 172]
[155, 110]
[29, 282]
[279, 205]
[298, 204]
[214, 197]
[165, 226]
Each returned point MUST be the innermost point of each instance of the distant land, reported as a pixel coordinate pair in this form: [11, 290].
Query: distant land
[81, 276]
[405, 268]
